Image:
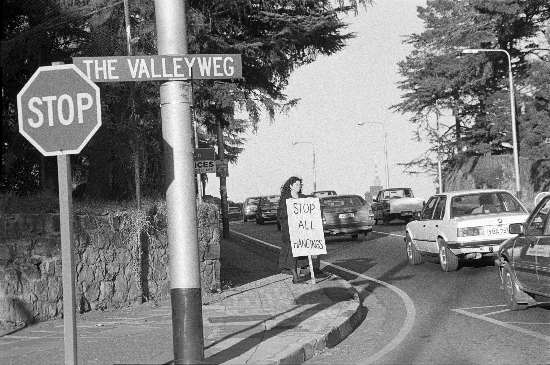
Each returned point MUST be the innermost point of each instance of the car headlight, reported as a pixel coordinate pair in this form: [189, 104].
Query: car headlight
[469, 231]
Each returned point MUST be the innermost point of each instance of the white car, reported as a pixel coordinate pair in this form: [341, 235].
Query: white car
[463, 224]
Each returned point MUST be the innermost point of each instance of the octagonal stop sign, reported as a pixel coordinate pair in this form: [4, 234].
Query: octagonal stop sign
[59, 110]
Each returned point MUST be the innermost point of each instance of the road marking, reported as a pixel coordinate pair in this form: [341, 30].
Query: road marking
[390, 234]
[497, 312]
[503, 324]
[409, 319]
[486, 306]
[409, 304]
[257, 240]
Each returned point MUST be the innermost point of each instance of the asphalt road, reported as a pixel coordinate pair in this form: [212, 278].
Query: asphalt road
[421, 315]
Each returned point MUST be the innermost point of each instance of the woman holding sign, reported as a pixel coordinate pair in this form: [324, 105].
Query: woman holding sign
[292, 188]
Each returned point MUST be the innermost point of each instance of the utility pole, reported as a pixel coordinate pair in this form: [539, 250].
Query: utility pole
[177, 133]
[223, 185]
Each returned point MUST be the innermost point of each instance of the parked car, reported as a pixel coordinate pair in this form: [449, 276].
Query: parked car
[322, 193]
[346, 214]
[396, 203]
[250, 206]
[463, 225]
[524, 260]
[267, 209]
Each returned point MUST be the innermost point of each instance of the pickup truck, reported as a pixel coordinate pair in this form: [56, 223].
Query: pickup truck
[395, 203]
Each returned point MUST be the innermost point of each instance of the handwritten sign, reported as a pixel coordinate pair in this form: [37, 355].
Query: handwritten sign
[305, 227]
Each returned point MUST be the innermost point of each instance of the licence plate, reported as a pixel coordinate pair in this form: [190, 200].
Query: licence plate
[496, 230]
[407, 213]
[346, 215]
[488, 249]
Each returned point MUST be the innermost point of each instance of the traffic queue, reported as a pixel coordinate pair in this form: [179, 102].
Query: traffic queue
[452, 227]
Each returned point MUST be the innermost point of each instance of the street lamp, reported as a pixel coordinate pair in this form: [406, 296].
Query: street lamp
[385, 148]
[512, 110]
[313, 148]
[439, 173]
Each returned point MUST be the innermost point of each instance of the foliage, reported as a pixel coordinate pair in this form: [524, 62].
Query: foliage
[274, 38]
[438, 78]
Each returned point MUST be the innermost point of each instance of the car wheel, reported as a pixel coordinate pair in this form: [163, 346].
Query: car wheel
[447, 259]
[259, 221]
[511, 289]
[278, 226]
[413, 254]
[354, 237]
[244, 219]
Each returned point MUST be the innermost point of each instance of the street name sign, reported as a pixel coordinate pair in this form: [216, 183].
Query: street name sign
[160, 67]
[204, 160]
[59, 110]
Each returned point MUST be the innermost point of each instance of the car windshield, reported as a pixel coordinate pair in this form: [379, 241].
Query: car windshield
[272, 199]
[342, 201]
[397, 193]
[484, 203]
[252, 201]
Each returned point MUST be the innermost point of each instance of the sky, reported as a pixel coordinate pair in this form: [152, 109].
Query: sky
[356, 85]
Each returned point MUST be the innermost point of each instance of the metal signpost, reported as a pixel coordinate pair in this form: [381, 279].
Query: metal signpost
[59, 110]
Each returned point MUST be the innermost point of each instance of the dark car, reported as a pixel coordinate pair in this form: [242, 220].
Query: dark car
[267, 209]
[250, 206]
[524, 260]
[346, 214]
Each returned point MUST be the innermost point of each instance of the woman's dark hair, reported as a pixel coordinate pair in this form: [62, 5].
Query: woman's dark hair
[285, 189]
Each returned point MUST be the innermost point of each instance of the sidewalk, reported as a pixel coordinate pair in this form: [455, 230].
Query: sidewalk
[268, 321]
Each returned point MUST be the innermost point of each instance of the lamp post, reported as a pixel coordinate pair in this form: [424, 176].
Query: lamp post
[313, 149]
[385, 148]
[439, 172]
[512, 110]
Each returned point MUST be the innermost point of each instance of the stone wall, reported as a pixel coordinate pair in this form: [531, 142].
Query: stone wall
[120, 258]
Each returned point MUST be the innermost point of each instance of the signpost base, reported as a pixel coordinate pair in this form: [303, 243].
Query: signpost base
[312, 272]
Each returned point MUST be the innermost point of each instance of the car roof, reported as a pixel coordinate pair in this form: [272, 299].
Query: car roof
[395, 189]
[339, 196]
[253, 197]
[471, 191]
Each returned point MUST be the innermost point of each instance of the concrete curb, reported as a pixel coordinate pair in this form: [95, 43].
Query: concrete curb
[12, 330]
[336, 335]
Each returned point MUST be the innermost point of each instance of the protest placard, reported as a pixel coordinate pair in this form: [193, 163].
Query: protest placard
[305, 227]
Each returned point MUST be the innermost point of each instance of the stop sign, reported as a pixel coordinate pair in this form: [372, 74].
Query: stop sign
[59, 110]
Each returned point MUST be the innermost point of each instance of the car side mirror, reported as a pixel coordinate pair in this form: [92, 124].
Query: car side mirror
[516, 228]
[375, 200]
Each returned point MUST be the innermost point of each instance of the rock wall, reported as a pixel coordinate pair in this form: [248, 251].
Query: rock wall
[120, 258]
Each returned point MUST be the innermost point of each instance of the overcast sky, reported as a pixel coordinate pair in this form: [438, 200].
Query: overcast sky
[358, 84]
